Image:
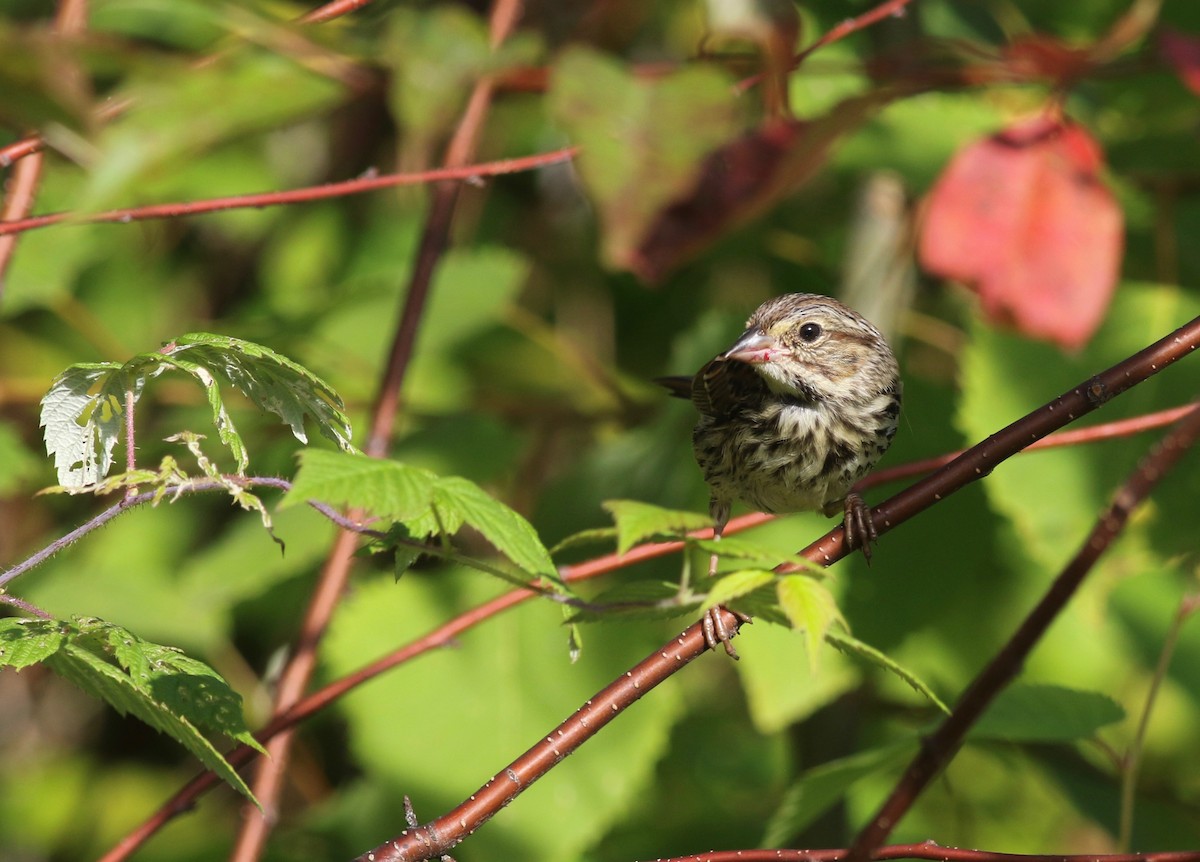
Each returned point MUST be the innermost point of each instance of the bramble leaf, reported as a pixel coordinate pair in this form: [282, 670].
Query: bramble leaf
[811, 608]
[83, 414]
[173, 693]
[425, 503]
[636, 522]
[852, 646]
[1046, 713]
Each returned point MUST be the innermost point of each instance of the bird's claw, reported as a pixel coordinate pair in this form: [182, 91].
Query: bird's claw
[716, 632]
[859, 526]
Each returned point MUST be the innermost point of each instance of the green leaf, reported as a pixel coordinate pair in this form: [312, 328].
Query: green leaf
[423, 502]
[854, 647]
[736, 584]
[810, 607]
[1046, 713]
[172, 693]
[741, 549]
[24, 642]
[637, 522]
[820, 788]
[81, 426]
[643, 139]
[508, 532]
[273, 382]
[83, 414]
[389, 489]
[585, 537]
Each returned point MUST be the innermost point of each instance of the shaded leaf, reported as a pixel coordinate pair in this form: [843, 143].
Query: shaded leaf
[643, 140]
[1024, 217]
[174, 694]
[1046, 713]
[854, 647]
[821, 787]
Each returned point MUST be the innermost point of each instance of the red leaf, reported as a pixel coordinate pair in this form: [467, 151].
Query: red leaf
[1024, 218]
[1182, 52]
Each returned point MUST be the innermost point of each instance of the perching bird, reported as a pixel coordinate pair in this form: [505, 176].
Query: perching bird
[800, 408]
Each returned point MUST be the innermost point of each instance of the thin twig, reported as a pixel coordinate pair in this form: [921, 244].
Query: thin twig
[937, 749]
[329, 11]
[293, 196]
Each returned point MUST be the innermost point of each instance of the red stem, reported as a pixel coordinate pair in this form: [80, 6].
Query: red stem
[291, 196]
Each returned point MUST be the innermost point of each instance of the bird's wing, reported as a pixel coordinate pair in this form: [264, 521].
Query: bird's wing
[724, 386]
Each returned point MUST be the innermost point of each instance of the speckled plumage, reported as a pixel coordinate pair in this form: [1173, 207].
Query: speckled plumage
[798, 410]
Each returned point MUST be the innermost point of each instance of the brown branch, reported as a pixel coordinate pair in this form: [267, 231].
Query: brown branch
[298, 673]
[344, 188]
[937, 750]
[439, 836]
[932, 851]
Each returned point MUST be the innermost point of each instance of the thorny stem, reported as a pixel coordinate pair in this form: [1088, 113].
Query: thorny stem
[940, 747]
[1133, 759]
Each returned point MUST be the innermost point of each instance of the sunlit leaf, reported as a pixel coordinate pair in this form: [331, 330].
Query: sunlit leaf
[637, 522]
[1046, 713]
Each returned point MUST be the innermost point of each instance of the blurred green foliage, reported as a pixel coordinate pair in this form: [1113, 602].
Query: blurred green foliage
[531, 378]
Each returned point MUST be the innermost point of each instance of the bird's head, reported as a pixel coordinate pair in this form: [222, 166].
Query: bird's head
[814, 347]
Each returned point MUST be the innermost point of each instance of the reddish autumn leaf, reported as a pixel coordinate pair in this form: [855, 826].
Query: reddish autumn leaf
[1183, 53]
[1024, 218]
[740, 180]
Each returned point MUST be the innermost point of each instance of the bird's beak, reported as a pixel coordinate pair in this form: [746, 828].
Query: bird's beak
[755, 348]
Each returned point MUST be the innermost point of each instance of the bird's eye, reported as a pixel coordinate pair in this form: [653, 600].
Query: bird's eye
[810, 332]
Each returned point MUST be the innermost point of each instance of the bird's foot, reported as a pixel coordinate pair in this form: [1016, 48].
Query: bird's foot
[859, 526]
[716, 632]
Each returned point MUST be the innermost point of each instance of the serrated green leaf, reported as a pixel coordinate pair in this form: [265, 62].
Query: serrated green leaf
[811, 608]
[85, 661]
[25, 642]
[736, 584]
[854, 647]
[81, 430]
[584, 537]
[636, 522]
[389, 489]
[426, 504]
[83, 413]
[508, 532]
[823, 786]
[1046, 713]
[273, 382]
